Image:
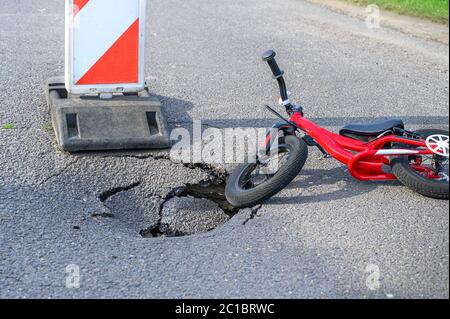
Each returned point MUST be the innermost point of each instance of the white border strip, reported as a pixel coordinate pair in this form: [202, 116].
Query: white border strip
[99, 32]
[102, 88]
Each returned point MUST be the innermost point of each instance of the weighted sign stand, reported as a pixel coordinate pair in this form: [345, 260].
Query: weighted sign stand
[102, 103]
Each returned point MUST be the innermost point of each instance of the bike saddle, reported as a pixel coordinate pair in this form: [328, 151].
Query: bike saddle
[363, 131]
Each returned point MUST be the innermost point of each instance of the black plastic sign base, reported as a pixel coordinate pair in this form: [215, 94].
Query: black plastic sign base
[88, 123]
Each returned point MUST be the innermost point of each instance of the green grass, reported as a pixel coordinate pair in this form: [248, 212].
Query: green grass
[47, 127]
[8, 126]
[435, 10]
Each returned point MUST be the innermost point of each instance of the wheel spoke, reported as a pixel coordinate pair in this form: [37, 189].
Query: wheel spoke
[263, 170]
[438, 144]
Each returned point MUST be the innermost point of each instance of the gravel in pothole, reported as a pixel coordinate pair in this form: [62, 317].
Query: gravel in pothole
[189, 215]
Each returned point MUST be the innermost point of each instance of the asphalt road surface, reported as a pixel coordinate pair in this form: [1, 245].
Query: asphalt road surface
[325, 236]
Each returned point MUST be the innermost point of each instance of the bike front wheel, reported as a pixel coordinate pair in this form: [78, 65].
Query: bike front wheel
[253, 183]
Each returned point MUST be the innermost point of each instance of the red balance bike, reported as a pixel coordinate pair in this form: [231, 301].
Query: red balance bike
[382, 150]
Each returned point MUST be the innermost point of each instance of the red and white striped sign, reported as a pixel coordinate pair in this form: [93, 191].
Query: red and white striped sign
[105, 46]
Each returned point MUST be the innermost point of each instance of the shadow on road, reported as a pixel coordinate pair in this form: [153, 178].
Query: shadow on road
[337, 183]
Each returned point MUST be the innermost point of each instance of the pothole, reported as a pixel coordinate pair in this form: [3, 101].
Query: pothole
[185, 210]
[192, 209]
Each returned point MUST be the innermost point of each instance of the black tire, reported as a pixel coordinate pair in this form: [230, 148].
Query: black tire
[239, 196]
[402, 169]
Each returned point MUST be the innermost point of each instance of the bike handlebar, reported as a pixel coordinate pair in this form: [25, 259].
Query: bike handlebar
[269, 57]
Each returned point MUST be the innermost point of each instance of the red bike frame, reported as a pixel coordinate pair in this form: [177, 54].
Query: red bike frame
[365, 160]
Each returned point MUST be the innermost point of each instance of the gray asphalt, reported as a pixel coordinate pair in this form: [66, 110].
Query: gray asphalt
[322, 237]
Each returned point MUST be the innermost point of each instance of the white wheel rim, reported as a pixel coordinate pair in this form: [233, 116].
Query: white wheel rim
[438, 144]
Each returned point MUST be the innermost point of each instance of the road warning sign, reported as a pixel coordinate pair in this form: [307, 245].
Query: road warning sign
[104, 46]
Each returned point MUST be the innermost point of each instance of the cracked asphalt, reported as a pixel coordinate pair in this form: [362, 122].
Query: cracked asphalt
[316, 239]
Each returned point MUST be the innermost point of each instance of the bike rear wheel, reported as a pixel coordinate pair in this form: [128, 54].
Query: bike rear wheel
[252, 183]
[425, 174]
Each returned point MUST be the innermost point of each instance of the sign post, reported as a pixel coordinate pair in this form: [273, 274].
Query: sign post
[105, 41]
[102, 102]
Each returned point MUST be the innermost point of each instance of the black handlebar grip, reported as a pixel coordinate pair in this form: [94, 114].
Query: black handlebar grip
[269, 57]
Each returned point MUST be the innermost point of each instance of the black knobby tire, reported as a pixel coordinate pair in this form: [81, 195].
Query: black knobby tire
[241, 197]
[402, 169]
